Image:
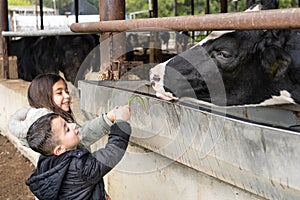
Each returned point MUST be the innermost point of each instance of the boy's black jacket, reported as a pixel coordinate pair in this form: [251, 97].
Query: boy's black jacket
[77, 174]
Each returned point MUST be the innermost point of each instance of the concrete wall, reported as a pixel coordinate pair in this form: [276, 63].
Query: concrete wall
[142, 173]
[13, 97]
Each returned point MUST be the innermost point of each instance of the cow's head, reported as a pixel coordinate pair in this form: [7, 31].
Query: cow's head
[240, 67]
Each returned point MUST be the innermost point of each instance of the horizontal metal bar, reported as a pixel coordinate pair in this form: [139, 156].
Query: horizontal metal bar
[52, 32]
[264, 19]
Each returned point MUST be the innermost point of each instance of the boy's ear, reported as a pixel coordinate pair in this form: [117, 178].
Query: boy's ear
[59, 150]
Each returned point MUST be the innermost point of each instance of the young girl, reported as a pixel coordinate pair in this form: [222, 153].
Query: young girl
[49, 93]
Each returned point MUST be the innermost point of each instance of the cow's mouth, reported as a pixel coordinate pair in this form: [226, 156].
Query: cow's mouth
[161, 93]
[167, 96]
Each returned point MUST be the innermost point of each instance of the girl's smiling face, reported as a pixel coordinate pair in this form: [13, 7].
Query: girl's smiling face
[61, 95]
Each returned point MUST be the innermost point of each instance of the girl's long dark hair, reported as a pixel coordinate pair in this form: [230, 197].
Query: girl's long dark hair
[40, 95]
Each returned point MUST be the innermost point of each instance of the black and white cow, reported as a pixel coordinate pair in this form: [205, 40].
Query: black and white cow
[264, 4]
[237, 68]
[36, 55]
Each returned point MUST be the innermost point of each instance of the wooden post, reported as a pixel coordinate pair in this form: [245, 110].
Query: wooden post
[4, 73]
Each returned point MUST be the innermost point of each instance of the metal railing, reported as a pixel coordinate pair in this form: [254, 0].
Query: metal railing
[264, 19]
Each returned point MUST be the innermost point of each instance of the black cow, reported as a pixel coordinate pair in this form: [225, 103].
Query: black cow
[165, 37]
[36, 55]
[265, 4]
[182, 39]
[237, 68]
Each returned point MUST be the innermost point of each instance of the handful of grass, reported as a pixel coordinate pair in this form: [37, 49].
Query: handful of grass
[136, 96]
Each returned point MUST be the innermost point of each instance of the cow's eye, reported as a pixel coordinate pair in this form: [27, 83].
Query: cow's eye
[224, 55]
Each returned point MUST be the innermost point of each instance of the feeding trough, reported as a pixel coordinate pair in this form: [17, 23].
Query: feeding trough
[254, 148]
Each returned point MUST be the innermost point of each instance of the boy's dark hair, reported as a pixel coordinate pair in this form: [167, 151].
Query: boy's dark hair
[39, 135]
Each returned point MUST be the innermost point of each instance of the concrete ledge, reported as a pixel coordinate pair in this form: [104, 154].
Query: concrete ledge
[13, 97]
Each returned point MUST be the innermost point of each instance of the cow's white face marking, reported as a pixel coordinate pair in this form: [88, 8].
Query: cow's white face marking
[157, 82]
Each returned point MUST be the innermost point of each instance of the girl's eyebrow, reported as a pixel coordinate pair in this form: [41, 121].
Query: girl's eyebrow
[61, 88]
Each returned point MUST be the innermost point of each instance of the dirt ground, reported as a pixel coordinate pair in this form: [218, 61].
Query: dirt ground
[14, 170]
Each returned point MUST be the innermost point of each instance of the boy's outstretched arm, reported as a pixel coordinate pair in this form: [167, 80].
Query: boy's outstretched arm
[117, 143]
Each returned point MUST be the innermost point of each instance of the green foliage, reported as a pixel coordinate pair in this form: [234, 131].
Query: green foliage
[18, 2]
[165, 7]
[237, 7]
[288, 3]
[49, 3]
[59, 3]
[94, 3]
[135, 6]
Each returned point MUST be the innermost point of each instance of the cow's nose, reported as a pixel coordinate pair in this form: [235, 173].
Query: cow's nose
[152, 83]
[155, 77]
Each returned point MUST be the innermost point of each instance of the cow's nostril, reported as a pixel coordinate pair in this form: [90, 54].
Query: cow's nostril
[152, 84]
[156, 77]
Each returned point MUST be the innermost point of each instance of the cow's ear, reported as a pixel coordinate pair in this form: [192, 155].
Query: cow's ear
[275, 61]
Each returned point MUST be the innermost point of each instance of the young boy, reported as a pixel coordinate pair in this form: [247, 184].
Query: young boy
[65, 171]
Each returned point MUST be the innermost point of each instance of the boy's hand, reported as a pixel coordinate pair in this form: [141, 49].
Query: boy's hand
[122, 113]
[111, 115]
